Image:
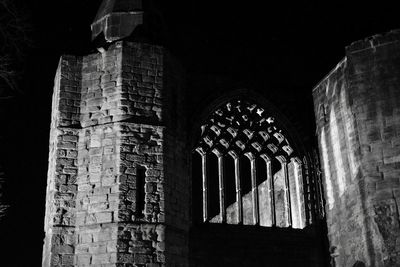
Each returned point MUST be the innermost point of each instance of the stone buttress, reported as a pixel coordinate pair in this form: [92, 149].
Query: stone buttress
[116, 161]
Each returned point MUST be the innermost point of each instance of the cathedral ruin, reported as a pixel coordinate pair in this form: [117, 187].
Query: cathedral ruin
[146, 170]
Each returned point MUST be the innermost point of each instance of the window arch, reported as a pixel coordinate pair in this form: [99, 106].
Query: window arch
[250, 172]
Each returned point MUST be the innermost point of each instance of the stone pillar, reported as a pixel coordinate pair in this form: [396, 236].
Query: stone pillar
[128, 198]
[59, 226]
[358, 125]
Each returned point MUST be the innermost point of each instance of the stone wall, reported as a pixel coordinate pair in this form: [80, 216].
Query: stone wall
[108, 171]
[119, 182]
[238, 245]
[358, 126]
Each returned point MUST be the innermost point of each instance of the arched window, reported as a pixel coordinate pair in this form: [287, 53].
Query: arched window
[250, 173]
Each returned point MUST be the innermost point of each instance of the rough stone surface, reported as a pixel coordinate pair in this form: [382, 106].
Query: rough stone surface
[357, 114]
[106, 195]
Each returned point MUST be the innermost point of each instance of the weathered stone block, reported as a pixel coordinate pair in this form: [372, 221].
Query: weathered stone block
[83, 260]
[105, 235]
[103, 217]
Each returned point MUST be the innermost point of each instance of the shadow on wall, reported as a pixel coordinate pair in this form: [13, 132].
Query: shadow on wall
[359, 264]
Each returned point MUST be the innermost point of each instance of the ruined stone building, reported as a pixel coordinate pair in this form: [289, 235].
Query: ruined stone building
[150, 166]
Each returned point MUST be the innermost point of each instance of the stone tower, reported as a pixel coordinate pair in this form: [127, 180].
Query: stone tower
[357, 113]
[151, 167]
[116, 152]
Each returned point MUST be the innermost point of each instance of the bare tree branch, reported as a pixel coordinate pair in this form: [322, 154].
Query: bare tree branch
[13, 42]
[14, 39]
[3, 207]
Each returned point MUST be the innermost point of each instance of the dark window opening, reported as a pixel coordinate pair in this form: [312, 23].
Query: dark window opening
[213, 187]
[261, 166]
[229, 174]
[140, 193]
[245, 174]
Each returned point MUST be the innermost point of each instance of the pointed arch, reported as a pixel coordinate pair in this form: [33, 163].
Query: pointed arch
[258, 176]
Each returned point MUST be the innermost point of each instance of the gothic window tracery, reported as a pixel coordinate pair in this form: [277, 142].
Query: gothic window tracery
[250, 172]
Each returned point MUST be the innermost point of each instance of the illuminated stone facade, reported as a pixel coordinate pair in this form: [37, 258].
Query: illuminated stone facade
[357, 113]
[151, 166]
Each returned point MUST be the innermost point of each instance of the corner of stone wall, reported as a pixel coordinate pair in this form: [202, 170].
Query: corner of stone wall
[374, 73]
[356, 111]
[62, 172]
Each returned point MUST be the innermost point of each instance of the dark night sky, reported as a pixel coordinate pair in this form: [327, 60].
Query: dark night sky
[297, 43]
[292, 45]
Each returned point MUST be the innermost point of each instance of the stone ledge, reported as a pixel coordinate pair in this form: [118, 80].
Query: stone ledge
[374, 41]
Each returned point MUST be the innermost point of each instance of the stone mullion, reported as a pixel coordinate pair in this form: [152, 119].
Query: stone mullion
[305, 171]
[299, 194]
[270, 178]
[221, 188]
[287, 193]
[204, 185]
[254, 190]
[238, 190]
